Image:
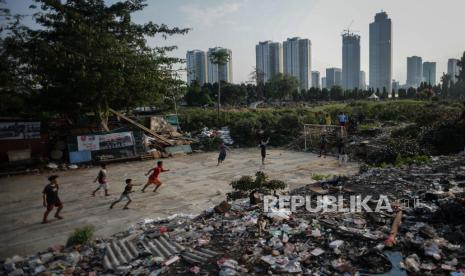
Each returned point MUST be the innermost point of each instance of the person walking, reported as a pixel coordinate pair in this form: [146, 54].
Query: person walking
[102, 180]
[51, 198]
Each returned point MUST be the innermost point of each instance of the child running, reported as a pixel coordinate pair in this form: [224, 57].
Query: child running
[153, 178]
[125, 194]
[222, 155]
[102, 180]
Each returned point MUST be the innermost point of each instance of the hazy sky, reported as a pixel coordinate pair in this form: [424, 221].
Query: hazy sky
[432, 29]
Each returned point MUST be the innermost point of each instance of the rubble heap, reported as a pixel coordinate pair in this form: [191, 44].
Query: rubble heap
[425, 236]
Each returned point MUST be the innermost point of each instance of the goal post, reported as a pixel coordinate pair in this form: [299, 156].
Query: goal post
[312, 134]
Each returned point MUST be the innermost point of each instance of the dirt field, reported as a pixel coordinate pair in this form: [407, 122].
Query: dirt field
[191, 186]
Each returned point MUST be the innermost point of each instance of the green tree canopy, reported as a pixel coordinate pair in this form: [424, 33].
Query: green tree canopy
[86, 56]
[281, 86]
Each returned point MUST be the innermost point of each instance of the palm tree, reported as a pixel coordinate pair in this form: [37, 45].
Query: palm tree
[219, 57]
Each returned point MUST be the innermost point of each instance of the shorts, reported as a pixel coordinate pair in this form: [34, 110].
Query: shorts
[124, 196]
[103, 186]
[342, 123]
[51, 205]
[154, 181]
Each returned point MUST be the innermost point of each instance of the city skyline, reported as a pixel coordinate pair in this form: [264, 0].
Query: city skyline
[240, 25]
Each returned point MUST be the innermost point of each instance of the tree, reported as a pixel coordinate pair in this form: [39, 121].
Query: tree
[461, 64]
[258, 76]
[446, 80]
[281, 86]
[219, 57]
[86, 56]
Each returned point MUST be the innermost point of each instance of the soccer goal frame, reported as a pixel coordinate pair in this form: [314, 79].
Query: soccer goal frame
[315, 130]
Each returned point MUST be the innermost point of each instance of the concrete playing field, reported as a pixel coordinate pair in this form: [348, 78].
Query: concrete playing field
[191, 186]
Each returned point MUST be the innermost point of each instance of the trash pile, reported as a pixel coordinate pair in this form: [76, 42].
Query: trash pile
[224, 134]
[423, 235]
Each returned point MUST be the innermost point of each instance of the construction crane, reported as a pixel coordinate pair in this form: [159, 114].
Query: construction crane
[348, 31]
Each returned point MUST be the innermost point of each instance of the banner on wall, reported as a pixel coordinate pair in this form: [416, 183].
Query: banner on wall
[105, 141]
[19, 130]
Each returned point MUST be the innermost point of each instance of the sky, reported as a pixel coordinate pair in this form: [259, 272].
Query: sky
[432, 29]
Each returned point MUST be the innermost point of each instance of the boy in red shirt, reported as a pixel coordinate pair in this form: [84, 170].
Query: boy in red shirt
[153, 178]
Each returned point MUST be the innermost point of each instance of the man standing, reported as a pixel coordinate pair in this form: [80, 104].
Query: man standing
[323, 144]
[262, 146]
[342, 119]
[51, 199]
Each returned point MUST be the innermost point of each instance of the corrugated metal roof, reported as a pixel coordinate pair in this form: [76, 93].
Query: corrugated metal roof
[122, 252]
[119, 252]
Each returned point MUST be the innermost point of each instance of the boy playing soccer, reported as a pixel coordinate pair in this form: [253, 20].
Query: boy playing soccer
[51, 199]
[153, 178]
[102, 180]
[125, 194]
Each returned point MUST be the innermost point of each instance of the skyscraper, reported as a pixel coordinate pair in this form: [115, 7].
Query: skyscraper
[297, 60]
[429, 72]
[333, 77]
[414, 71]
[323, 82]
[225, 71]
[363, 80]
[316, 79]
[381, 53]
[453, 69]
[196, 66]
[350, 60]
[269, 60]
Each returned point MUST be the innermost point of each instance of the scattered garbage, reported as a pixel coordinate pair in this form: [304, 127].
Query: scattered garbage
[224, 134]
[422, 235]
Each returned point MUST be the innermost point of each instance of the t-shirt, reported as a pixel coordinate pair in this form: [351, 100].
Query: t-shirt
[156, 172]
[342, 118]
[51, 192]
[102, 176]
[127, 189]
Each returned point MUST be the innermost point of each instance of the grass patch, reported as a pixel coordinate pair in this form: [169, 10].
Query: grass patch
[320, 177]
[81, 236]
[369, 126]
[417, 159]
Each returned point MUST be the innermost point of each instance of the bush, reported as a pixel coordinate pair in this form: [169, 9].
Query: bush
[81, 236]
[445, 137]
[389, 153]
[260, 183]
[417, 159]
[284, 125]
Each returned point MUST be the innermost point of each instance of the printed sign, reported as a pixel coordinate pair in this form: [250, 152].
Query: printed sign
[19, 130]
[88, 142]
[116, 140]
[105, 141]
